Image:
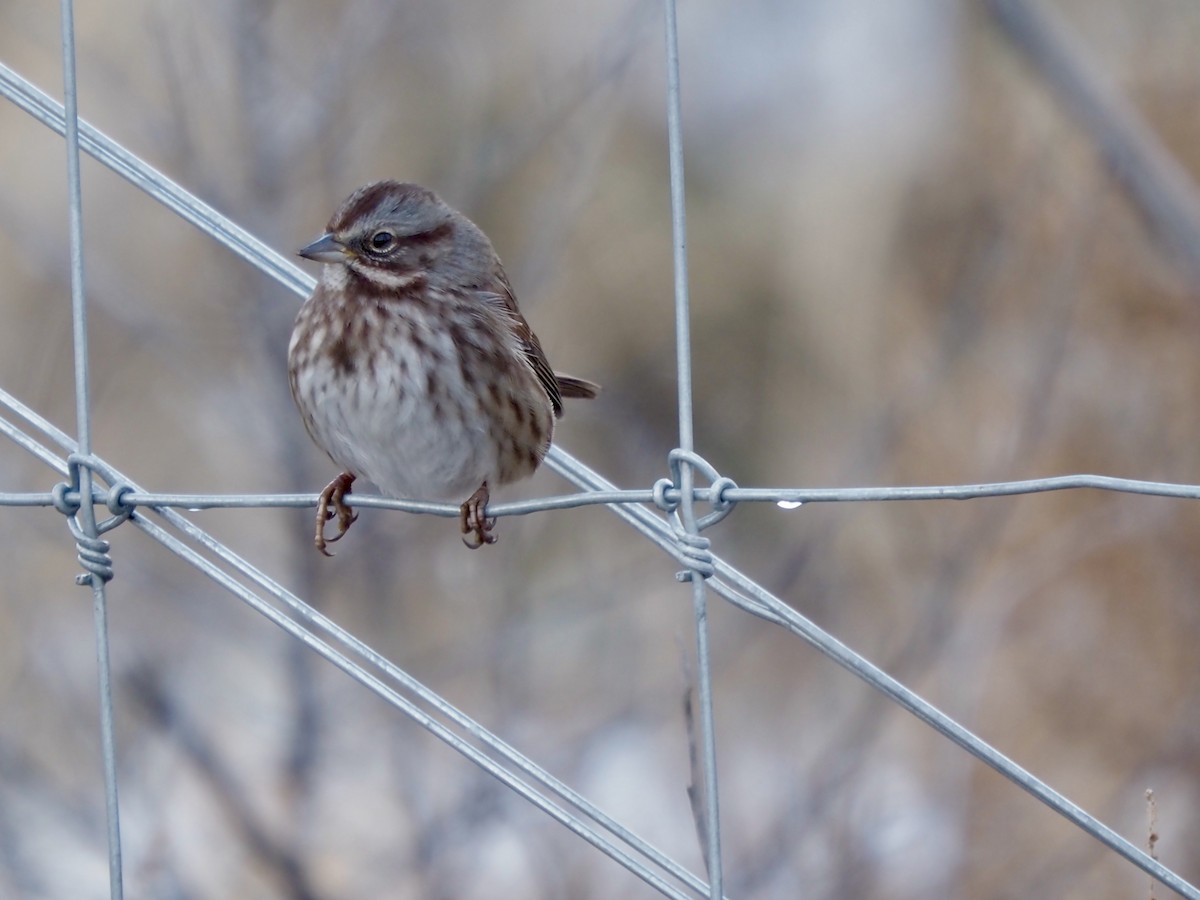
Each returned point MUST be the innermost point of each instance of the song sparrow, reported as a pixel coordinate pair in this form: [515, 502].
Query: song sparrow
[412, 365]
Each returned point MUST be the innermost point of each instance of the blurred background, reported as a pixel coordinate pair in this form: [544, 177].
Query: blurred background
[910, 264]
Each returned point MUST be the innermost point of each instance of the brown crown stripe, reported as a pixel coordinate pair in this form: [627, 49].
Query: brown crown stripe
[372, 198]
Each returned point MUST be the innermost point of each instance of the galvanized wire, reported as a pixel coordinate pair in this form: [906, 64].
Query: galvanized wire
[93, 551]
[676, 533]
[787, 496]
[706, 806]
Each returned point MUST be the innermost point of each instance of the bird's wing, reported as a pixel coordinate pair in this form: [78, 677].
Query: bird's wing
[528, 342]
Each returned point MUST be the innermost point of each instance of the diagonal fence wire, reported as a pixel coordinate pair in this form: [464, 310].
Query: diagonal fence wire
[304, 623]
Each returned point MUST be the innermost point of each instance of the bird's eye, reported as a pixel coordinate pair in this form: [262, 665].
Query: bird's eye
[382, 241]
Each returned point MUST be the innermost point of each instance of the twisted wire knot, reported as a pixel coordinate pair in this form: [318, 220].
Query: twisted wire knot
[92, 552]
[693, 549]
[695, 552]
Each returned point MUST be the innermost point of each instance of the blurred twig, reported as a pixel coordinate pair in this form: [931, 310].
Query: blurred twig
[145, 689]
[1157, 184]
[1152, 836]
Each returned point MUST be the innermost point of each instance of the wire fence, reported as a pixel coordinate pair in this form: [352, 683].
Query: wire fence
[95, 498]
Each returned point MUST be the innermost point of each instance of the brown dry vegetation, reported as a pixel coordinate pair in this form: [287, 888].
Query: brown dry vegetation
[909, 265]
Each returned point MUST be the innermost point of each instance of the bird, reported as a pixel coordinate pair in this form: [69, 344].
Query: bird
[411, 363]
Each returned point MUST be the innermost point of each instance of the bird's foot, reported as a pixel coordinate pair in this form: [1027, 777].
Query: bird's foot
[334, 495]
[476, 527]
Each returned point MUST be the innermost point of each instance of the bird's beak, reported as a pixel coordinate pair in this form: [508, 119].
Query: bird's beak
[326, 249]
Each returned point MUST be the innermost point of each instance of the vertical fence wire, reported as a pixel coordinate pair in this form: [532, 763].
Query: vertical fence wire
[89, 539]
[708, 811]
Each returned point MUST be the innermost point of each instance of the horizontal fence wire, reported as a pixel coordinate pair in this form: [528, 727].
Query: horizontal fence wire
[787, 496]
[653, 513]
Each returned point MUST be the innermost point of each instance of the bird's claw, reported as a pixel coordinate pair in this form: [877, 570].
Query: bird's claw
[475, 526]
[334, 495]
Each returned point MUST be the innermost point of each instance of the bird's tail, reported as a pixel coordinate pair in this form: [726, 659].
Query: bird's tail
[580, 388]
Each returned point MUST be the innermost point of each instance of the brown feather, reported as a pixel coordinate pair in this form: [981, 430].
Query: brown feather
[576, 388]
[531, 346]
